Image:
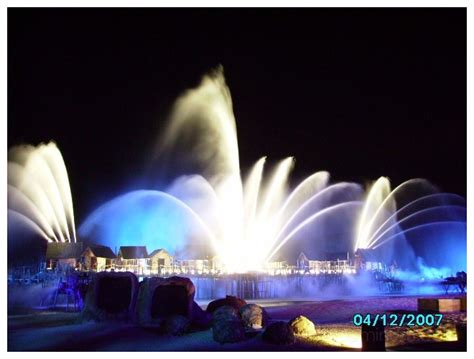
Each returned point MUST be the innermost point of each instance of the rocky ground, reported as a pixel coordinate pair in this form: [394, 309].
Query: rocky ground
[56, 331]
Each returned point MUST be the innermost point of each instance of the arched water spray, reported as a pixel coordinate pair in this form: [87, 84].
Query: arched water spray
[20, 179]
[148, 198]
[409, 219]
[21, 204]
[307, 221]
[28, 223]
[319, 198]
[380, 201]
[39, 190]
[376, 198]
[251, 195]
[307, 188]
[425, 200]
[411, 229]
[432, 210]
[56, 163]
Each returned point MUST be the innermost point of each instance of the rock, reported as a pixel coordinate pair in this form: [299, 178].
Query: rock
[253, 316]
[111, 296]
[230, 300]
[279, 333]
[227, 326]
[302, 326]
[228, 332]
[226, 313]
[160, 298]
[176, 325]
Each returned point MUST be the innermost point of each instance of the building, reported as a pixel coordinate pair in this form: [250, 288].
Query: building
[160, 262]
[97, 258]
[368, 259]
[278, 266]
[335, 263]
[133, 259]
[302, 262]
[63, 255]
[193, 266]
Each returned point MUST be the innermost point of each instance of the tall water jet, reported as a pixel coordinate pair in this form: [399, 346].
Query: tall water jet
[245, 220]
[378, 205]
[250, 216]
[39, 194]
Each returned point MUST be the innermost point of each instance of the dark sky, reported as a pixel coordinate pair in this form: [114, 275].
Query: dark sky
[358, 92]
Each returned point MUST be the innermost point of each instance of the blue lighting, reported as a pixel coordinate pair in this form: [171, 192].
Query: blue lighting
[144, 217]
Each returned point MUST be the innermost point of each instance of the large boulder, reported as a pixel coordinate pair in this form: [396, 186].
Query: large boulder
[253, 316]
[228, 332]
[302, 326]
[161, 298]
[176, 325]
[226, 313]
[111, 296]
[229, 300]
[279, 333]
[227, 326]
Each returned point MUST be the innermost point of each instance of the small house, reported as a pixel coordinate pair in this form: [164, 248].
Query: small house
[133, 259]
[159, 261]
[192, 266]
[277, 266]
[302, 262]
[367, 259]
[62, 255]
[97, 258]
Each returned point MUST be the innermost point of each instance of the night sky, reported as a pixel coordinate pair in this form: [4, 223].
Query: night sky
[360, 93]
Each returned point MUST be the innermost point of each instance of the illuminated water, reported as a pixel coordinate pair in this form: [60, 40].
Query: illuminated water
[250, 220]
[39, 196]
[246, 220]
[415, 223]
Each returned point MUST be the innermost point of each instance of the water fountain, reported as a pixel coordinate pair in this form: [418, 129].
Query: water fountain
[39, 196]
[244, 221]
[419, 218]
[211, 210]
[248, 222]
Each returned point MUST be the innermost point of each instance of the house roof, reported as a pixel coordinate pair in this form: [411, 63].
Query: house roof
[133, 252]
[156, 251]
[302, 257]
[63, 250]
[101, 251]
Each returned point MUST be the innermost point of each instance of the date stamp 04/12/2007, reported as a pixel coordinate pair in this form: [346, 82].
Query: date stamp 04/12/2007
[397, 320]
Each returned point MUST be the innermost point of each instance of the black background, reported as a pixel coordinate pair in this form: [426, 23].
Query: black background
[358, 92]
